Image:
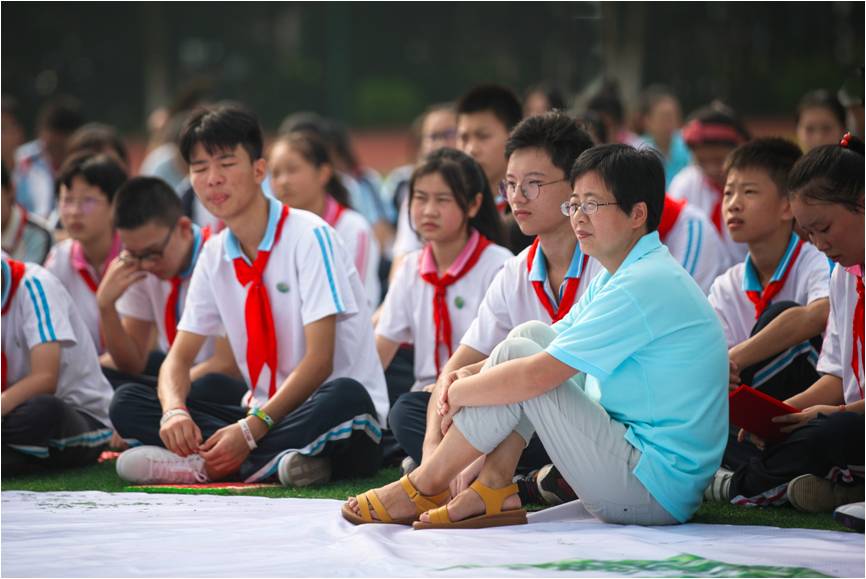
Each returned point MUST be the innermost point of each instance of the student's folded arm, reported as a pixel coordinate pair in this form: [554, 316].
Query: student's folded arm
[45, 371]
[310, 373]
[510, 382]
[788, 329]
[127, 340]
[386, 349]
[174, 375]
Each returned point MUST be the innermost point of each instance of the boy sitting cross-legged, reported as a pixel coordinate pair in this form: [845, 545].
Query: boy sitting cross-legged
[281, 286]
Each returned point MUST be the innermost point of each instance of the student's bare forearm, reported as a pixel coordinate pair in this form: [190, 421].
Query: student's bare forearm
[174, 383]
[124, 351]
[31, 386]
[825, 390]
[465, 357]
[788, 329]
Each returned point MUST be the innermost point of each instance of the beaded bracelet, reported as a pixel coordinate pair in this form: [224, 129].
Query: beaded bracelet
[261, 415]
[248, 435]
[169, 414]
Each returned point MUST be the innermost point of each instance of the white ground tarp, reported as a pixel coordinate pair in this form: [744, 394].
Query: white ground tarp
[93, 534]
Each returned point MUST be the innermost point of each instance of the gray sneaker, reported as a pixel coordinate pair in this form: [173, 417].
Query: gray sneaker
[407, 466]
[719, 489]
[157, 465]
[813, 494]
[297, 470]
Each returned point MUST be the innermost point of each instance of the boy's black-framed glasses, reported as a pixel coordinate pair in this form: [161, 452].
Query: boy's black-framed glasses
[530, 190]
[152, 255]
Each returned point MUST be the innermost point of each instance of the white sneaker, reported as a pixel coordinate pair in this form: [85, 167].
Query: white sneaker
[719, 489]
[407, 466]
[156, 465]
[297, 470]
[851, 515]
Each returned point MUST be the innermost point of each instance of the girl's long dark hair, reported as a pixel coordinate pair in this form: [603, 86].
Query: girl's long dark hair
[313, 149]
[830, 174]
[466, 179]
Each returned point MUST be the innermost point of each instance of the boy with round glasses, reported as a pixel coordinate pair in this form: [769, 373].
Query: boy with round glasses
[145, 288]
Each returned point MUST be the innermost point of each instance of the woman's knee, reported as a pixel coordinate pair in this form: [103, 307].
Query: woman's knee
[514, 348]
[539, 332]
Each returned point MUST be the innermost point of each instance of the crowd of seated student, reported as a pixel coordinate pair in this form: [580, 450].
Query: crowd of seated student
[285, 313]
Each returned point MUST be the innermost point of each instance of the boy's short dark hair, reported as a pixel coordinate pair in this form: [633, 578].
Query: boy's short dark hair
[143, 200]
[98, 138]
[632, 175]
[222, 127]
[557, 133]
[774, 155]
[61, 114]
[500, 101]
[100, 170]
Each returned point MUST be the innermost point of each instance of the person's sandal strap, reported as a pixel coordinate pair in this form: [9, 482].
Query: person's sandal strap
[439, 516]
[423, 503]
[377, 505]
[493, 498]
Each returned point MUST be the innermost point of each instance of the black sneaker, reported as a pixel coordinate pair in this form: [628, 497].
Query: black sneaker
[527, 488]
[552, 487]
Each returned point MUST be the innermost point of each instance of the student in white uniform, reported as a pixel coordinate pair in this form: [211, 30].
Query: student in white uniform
[145, 289]
[87, 185]
[435, 294]
[281, 285]
[55, 398]
[25, 236]
[540, 153]
[303, 177]
[773, 306]
[711, 133]
[819, 466]
[692, 241]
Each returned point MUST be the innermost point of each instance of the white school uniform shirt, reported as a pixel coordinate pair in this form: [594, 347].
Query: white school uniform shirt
[309, 276]
[357, 236]
[808, 281]
[42, 311]
[694, 242]
[61, 262]
[407, 312]
[511, 298]
[692, 185]
[146, 299]
[836, 352]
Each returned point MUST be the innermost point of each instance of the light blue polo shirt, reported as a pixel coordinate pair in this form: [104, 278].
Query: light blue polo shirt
[656, 360]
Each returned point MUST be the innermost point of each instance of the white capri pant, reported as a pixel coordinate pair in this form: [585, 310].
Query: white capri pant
[586, 445]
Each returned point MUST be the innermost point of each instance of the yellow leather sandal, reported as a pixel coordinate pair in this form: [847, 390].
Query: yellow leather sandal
[369, 500]
[493, 515]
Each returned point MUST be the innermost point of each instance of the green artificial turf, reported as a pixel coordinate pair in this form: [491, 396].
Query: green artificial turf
[102, 477]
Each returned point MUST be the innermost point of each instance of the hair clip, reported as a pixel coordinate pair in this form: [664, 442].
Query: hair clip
[846, 140]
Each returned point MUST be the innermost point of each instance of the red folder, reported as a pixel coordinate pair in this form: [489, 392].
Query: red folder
[752, 410]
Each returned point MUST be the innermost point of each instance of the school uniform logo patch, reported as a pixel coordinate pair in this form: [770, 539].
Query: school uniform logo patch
[458, 301]
[283, 287]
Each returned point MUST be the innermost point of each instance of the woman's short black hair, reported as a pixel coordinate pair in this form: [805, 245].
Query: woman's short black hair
[632, 175]
[222, 127]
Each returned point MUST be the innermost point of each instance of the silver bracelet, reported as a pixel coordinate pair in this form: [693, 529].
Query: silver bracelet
[248, 435]
[169, 414]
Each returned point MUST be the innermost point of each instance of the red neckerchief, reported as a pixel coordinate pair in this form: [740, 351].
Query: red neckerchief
[19, 233]
[568, 295]
[441, 318]
[858, 334]
[670, 215]
[333, 211]
[261, 332]
[17, 270]
[79, 262]
[172, 305]
[763, 298]
[716, 215]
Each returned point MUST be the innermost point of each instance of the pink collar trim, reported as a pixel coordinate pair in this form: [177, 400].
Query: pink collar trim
[428, 262]
[79, 262]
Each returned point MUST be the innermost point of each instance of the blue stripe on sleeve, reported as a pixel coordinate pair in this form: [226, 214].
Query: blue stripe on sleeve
[29, 287]
[46, 308]
[320, 237]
